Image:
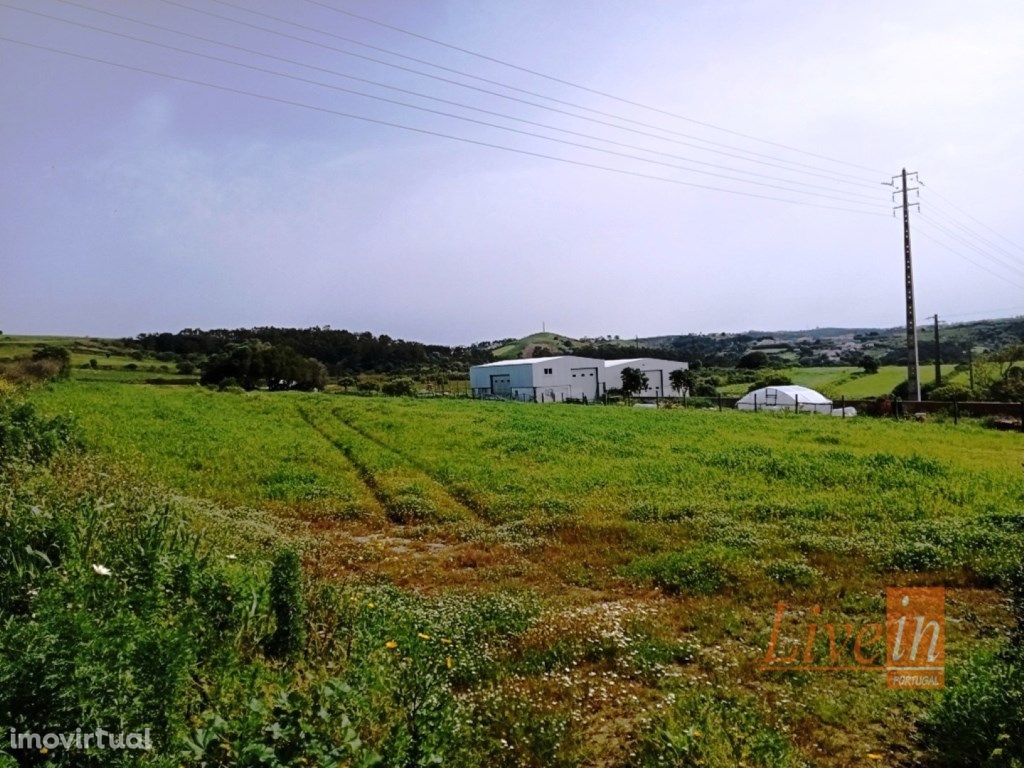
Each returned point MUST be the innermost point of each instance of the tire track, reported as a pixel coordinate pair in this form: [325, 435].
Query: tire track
[466, 501]
[362, 471]
[392, 506]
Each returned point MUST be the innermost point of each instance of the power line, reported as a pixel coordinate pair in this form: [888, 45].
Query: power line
[845, 196]
[990, 312]
[980, 251]
[835, 175]
[950, 218]
[428, 132]
[955, 252]
[334, 49]
[583, 87]
[976, 221]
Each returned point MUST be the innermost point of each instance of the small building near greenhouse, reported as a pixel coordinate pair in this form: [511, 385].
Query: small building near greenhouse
[566, 377]
[657, 371]
[789, 397]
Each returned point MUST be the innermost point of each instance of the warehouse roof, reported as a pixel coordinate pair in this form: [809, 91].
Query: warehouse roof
[522, 361]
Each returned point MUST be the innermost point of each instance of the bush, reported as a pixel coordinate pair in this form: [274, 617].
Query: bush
[287, 606]
[26, 371]
[793, 572]
[59, 355]
[706, 729]
[915, 556]
[27, 436]
[979, 720]
[700, 571]
[401, 387]
[949, 392]
[753, 360]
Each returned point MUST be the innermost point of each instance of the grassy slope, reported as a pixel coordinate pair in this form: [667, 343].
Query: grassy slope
[567, 501]
[514, 350]
[850, 381]
[110, 355]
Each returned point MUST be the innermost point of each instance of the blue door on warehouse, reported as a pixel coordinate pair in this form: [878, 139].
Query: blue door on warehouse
[501, 384]
[584, 382]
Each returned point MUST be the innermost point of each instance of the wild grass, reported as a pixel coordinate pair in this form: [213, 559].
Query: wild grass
[514, 584]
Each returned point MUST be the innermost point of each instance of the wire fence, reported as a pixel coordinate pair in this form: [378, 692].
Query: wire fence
[1006, 414]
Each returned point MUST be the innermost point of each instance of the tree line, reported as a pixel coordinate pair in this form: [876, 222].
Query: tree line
[340, 351]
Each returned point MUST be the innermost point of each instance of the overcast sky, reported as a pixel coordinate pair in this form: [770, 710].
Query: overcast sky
[134, 203]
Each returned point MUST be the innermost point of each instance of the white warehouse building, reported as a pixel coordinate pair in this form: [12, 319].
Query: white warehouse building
[567, 377]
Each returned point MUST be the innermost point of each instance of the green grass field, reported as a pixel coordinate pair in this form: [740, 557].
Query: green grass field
[685, 525]
[851, 382]
[114, 361]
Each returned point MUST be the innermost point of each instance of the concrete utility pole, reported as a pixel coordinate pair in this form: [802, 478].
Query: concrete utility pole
[913, 364]
[938, 355]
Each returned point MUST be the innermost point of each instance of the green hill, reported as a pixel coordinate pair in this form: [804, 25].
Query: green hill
[536, 345]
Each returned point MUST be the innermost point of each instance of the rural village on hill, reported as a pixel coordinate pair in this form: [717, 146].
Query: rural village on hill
[282, 486]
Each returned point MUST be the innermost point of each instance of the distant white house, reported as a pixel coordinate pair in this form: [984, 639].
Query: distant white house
[789, 397]
[565, 377]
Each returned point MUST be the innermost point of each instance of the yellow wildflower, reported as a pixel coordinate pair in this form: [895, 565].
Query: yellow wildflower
[448, 662]
[391, 645]
[422, 636]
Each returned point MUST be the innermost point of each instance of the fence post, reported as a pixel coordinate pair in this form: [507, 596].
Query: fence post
[719, 402]
[843, 401]
[755, 403]
[796, 403]
[956, 410]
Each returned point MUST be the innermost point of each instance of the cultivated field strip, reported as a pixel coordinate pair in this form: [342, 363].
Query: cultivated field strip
[233, 449]
[460, 493]
[407, 493]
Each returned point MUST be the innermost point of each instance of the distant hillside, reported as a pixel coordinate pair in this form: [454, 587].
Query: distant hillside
[536, 345]
[811, 347]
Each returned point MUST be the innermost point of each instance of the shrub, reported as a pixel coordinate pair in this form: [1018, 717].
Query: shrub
[709, 729]
[793, 572]
[954, 391]
[401, 387]
[978, 720]
[700, 571]
[287, 606]
[59, 355]
[25, 371]
[915, 556]
[753, 360]
[27, 436]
